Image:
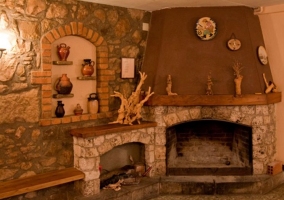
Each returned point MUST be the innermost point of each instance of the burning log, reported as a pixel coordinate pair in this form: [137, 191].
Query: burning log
[116, 186]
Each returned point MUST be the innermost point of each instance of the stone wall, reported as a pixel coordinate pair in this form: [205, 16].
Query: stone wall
[28, 147]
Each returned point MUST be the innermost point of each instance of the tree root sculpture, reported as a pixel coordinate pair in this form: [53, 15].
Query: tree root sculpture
[130, 109]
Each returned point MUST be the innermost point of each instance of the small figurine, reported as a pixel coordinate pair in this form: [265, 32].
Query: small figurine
[209, 90]
[270, 87]
[169, 86]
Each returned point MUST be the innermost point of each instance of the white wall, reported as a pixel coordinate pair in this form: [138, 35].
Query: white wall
[272, 24]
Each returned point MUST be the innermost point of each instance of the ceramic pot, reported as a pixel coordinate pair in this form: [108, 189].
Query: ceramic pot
[63, 51]
[63, 85]
[88, 67]
[78, 110]
[59, 111]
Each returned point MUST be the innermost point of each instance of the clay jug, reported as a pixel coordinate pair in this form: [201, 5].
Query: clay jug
[93, 103]
[63, 85]
[59, 111]
[63, 51]
[88, 67]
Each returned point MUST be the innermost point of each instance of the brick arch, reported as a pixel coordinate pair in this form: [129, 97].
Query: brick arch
[104, 75]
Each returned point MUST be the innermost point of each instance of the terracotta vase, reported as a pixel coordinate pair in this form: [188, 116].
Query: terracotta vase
[63, 85]
[238, 83]
[63, 51]
[88, 67]
[59, 111]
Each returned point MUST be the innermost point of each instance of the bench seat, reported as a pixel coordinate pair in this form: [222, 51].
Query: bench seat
[40, 181]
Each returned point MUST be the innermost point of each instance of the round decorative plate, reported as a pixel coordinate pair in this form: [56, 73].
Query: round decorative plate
[206, 28]
[262, 55]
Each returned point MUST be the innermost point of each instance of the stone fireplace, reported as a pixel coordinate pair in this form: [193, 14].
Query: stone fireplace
[259, 118]
[257, 122]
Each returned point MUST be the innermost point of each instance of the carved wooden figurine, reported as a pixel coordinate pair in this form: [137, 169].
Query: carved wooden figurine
[130, 109]
[209, 90]
[270, 87]
[169, 86]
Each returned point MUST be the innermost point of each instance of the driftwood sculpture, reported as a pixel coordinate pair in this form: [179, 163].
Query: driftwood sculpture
[130, 109]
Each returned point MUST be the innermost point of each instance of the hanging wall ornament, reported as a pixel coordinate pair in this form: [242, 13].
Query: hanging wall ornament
[234, 44]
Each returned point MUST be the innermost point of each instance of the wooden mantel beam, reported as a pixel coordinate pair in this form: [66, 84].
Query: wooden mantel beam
[214, 100]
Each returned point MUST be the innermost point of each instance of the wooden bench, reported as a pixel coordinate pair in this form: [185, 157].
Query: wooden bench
[40, 181]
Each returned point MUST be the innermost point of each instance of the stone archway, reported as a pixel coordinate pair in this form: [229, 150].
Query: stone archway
[43, 78]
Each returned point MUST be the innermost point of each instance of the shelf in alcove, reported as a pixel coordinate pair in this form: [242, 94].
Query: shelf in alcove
[86, 78]
[59, 96]
[62, 62]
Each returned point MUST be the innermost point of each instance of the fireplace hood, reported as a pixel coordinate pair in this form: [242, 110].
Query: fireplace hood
[173, 48]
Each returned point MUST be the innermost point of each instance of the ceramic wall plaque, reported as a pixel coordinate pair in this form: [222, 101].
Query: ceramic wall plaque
[206, 28]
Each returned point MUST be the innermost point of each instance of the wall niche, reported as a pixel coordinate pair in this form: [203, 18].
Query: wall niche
[80, 49]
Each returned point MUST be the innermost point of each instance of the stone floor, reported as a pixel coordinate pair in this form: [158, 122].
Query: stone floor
[257, 187]
[275, 194]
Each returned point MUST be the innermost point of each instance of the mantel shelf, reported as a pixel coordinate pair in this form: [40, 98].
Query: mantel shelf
[214, 100]
[109, 128]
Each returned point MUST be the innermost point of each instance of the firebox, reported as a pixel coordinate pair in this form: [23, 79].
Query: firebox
[209, 147]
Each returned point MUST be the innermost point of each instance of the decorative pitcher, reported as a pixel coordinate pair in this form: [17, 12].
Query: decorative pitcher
[63, 51]
[63, 85]
[59, 111]
[88, 67]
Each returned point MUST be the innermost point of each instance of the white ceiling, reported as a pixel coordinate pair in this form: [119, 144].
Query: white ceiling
[151, 5]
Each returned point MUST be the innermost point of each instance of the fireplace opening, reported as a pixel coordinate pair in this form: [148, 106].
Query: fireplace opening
[119, 156]
[209, 147]
[125, 162]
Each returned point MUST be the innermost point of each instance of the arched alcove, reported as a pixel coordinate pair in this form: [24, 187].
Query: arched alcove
[43, 77]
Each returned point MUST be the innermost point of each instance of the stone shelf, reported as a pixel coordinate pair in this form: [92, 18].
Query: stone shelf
[59, 96]
[109, 128]
[214, 100]
[86, 78]
[62, 62]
